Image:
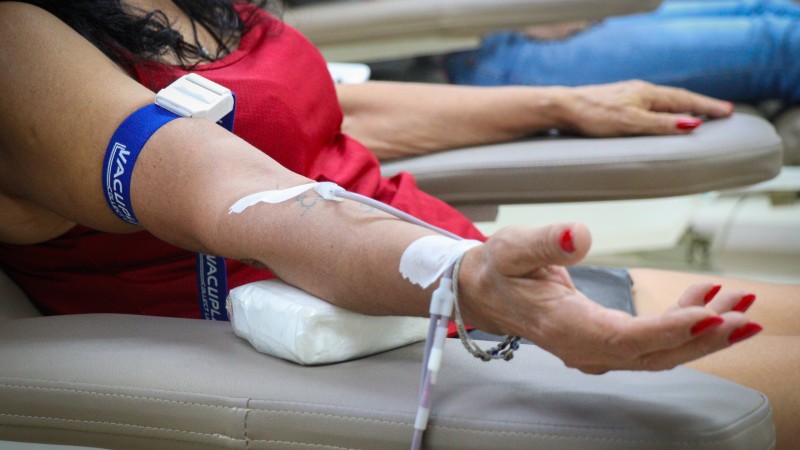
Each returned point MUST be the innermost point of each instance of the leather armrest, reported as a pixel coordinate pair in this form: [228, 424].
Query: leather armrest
[732, 152]
[385, 29]
[136, 382]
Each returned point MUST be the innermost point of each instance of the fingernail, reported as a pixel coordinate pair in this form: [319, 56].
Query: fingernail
[745, 303]
[566, 241]
[730, 107]
[711, 293]
[747, 330]
[685, 123]
[705, 324]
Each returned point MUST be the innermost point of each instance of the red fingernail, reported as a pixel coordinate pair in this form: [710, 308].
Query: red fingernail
[688, 124]
[747, 330]
[711, 293]
[566, 242]
[706, 324]
[745, 303]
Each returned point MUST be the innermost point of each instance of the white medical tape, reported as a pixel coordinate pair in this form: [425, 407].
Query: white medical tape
[325, 189]
[426, 259]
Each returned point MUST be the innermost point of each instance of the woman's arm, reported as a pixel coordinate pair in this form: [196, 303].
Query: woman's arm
[396, 119]
[65, 99]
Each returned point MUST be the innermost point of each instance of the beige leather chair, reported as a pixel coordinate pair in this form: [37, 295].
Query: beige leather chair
[136, 382]
[118, 381]
[367, 30]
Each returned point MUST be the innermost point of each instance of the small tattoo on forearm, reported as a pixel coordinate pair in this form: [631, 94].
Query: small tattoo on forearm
[306, 202]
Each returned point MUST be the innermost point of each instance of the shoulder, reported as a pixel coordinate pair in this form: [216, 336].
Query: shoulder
[21, 13]
[23, 26]
[63, 99]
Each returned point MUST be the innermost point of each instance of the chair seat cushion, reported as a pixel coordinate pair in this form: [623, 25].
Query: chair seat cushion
[120, 381]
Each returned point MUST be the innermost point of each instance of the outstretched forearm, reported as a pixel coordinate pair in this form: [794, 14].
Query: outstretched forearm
[406, 119]
[342, 252]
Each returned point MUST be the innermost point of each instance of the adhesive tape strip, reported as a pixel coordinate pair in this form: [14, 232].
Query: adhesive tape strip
[326, 190]
[426, 259]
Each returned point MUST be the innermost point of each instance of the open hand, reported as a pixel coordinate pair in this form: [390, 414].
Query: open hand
[637, 108]
[516, 284]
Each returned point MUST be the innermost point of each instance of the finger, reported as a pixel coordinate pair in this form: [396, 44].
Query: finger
[625, 342]
[734, 329]
[662, 123]
[516, 251]
[699, 294]
[648, 334]
[676, 100]
[733, 301]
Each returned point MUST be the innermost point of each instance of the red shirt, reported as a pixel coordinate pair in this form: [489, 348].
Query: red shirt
[287, 107]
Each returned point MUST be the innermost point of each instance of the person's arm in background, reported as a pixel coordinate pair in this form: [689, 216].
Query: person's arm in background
[396, 119]
[64, 99]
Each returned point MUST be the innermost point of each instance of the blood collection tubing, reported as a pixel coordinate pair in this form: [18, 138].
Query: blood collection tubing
[440, 310]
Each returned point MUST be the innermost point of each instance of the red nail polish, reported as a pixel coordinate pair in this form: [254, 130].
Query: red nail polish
[706, 324]
[747, 330]
[711, 293]
[566, 241]
[688, 124]
[745, 303]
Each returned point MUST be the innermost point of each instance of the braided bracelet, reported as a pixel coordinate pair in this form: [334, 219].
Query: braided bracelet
[503, 350]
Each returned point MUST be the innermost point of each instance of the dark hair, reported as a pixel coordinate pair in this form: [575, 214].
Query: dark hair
[129, 36]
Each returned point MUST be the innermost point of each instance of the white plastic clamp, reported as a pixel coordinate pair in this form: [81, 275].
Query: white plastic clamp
[194, 96]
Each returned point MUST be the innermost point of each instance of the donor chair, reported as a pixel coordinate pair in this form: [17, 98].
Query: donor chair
[138, 382]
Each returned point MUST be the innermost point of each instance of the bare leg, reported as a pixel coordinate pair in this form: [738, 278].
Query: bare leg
[768, 362]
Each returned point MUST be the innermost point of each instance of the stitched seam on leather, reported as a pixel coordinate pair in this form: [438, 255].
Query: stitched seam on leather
[609, 438]
[114, 395]
[159, 440]
[561, 437]
[484, 422]
[249, 409]
[126, 425]
[330, 415]
[325, 405]
[97, 385]
[523, 433]
[245, 430]
[494, 432]
[476, 420]
[305, 444]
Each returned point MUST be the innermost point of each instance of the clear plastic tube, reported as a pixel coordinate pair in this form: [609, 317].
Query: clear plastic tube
[437, 330]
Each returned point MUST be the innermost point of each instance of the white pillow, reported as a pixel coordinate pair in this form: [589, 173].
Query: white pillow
[286, 322]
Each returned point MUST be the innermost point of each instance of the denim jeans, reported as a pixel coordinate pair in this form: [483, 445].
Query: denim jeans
[737, 50]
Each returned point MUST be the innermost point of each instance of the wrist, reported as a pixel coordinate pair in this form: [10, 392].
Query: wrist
[556, 106]
[473, 295]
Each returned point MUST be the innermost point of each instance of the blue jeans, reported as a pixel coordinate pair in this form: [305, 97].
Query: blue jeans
[737, 50]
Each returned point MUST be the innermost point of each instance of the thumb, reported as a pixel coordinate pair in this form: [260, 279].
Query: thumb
[516, 251]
